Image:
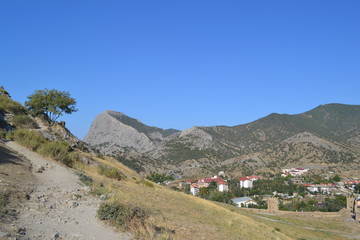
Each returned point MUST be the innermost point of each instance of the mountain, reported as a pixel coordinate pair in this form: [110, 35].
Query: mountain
[114, 132]
[326, 137]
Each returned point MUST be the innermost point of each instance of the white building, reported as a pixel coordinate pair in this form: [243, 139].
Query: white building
[194, 190]
[243, 201]
[293, 171]
[223, 187]
[245, 182]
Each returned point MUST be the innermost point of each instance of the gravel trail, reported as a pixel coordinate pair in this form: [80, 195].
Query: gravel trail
[60, 207]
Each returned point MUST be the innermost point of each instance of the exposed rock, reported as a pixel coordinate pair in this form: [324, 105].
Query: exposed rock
[40, 169]
[21, 231]
[114, 132]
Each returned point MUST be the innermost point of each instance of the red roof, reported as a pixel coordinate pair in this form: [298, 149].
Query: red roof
[209, 180]
[244, 178]
[299, 169]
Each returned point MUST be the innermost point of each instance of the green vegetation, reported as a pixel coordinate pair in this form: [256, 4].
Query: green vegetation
[85, 179]
[7, 105]
[278, 184]
[27, 138]
[159, 178]
[134, 164]
[125, 216]
[3, 133]
[139, 126]
[179, 151]
[53, 103]
[3, 91]
[111, 172]
[357, 188]
[328, 205]
[24, 121]
[59, 150]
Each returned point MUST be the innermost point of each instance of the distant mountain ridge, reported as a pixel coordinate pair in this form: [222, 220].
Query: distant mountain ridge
[326, 135]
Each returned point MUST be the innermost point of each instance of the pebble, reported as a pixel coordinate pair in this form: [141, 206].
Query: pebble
[21, 231]
[56, 235]
[40, 169]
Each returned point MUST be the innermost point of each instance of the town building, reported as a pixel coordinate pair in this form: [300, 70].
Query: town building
[243, 201]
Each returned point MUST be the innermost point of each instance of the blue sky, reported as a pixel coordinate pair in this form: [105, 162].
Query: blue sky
[181, 63]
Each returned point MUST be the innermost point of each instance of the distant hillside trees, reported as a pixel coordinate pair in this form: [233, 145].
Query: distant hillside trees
[53, 103]
[159, 178]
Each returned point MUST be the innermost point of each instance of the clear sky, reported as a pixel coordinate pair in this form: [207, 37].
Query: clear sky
[183, 63]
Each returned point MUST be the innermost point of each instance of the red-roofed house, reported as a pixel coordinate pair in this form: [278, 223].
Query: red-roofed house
[245, 182]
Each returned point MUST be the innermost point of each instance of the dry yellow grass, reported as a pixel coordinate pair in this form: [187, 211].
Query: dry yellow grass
[182, 216]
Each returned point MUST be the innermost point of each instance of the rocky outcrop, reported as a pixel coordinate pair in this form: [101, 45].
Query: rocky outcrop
[113, 132]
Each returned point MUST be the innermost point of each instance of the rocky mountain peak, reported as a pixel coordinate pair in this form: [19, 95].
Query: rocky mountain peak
[114, 132]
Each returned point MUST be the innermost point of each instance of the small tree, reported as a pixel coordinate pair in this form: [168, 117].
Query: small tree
[337, 178]
[53, 103]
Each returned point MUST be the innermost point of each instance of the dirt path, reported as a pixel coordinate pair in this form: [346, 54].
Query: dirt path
[60, 207]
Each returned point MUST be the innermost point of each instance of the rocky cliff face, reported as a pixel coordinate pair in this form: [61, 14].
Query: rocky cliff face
[113, 133]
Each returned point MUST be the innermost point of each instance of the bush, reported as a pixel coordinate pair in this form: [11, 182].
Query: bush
[24, 121]
[27, 138]
[59, 150]
[87, 180]
[111, 173]
[126, 216]
[10, 106]
[3, 133]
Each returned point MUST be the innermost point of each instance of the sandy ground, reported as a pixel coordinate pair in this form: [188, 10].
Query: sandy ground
[59, 207]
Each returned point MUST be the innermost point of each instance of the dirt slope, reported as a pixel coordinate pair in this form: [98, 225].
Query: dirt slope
[59, 206]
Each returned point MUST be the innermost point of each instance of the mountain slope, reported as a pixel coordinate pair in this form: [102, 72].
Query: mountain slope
[114, 132]
[256, 146]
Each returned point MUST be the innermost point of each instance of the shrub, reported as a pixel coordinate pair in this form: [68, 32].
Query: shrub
[111, 173]
[126, 216]
[27, 138]
[59, 150]
[3, 133]
[10, 106]
[148, 184]
[24, 121]
[87, 180]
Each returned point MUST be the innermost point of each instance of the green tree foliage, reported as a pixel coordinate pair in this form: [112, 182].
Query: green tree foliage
[212, 185]
[327, 205]
[159, 178]
[357, 188]
[336, 178]
[53, 103]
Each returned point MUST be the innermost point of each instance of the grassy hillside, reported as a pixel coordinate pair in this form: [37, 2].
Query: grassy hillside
[175, 215]
[150, 211]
